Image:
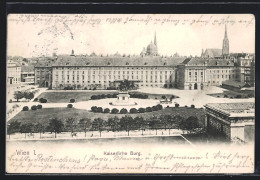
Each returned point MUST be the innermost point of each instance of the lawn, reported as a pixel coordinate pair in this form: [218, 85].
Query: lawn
[43, 115]
[64, 97]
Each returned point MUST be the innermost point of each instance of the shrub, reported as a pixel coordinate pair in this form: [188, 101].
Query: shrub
[93, 97]
[192, 106]
[98, 96]
[69, 105]
[145, 96]
[148, 109]
[25, 108]
[99, 109]
[72, 100]
[185, 106]
[164, 97]
[123, 111]
[34, 107]
[177, 105]
[160, 107]
[141, 110]
[94, 88]
[155, 108]
[10, 101]
[36, 99]
[94, 108]
[133, 111]
[102, 96]
[114, 111]
[218, 96]
[107, 110]
[39, 106]
[225, 96]
[42, 100]
[85, 88]
[109, 96]
[114, 95]
[238, 96]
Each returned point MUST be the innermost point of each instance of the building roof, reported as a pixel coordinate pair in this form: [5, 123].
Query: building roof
[236, 84]
[28, 68]
[234, 109]
[213, 52]
[208, 61]
[117, 61]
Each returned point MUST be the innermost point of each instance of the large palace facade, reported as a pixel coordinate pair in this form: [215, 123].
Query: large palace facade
[148, 69]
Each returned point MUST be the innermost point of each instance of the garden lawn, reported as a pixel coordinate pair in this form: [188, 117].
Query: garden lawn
[43, 115]
[64, 97]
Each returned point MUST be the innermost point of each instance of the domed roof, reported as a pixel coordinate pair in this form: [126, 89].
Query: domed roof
[151, 47]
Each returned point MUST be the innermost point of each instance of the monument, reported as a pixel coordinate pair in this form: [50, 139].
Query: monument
[123, 98]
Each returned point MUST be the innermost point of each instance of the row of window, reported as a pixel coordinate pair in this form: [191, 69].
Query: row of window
[116, 72]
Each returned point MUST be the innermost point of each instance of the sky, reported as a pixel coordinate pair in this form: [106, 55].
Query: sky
[186, 34]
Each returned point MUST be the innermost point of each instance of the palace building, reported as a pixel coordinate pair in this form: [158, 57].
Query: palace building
[149, 69]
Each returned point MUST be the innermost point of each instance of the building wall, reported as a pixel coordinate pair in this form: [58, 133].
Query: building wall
[102, 77]
[43, 76]
[13, 74]
[216, 75]
[195, 78]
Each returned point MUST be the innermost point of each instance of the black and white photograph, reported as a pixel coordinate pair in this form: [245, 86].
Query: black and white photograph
[130, 93]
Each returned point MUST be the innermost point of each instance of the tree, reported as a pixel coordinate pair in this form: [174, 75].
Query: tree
[154, 123]
[99, 109]
[25, 108]
[39, 106]
[13, 127]
[71, 123]
[28, 95]
[85, 123]
[148, 109]
[133, 111]
[177, 121]
[140, 123]
[106, 110]
[164, 97]
[18, 95]
[124, 85]
[26, 128]
[39, 127]
[34, 107]
[94, 108]
[160, 107]
[55, 125]
[113, 123]
[126, 123]
[141, 110]
[190, 124]
[69, 105]
[114, 111]
[123, 111]
[98, 124]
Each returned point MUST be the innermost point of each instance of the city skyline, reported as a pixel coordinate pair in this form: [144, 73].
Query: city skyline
[130, 38]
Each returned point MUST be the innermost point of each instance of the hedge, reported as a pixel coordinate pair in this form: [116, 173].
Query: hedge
[34, 107]
[114, 111]
[69, 105]
[25, 108]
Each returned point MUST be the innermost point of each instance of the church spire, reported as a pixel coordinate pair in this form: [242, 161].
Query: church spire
[225, 31]
[225, 46]
[155, 41]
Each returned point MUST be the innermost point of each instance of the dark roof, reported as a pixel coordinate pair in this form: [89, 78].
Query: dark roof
[233, 107]
[236, 84]
[117, 61]
[213, 52]
[208, 61]
[28, 68]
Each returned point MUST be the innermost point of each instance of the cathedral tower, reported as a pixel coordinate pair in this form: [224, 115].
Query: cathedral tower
[225, 47]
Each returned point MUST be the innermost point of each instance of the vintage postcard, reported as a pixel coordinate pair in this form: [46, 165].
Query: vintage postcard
[130, 93]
